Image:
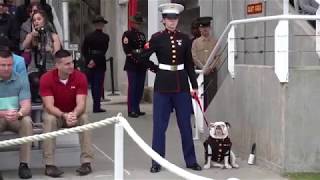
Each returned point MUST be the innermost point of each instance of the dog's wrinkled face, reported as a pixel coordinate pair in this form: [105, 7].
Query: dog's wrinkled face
[219, 130]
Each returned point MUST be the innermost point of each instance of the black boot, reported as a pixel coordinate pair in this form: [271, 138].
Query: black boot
[53, 171]
[155, 169]
[24, 171]
[195, 167]
[84, 169]
[141, 113]
[99, 110]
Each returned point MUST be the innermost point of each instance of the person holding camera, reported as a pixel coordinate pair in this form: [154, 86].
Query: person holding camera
[43, 42]
[25, 29]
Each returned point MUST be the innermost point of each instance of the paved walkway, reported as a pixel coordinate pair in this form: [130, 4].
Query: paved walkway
[137, 163]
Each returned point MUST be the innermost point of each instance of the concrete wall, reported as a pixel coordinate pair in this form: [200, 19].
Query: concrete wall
[281, 118]
[251, 103]
[302, 151]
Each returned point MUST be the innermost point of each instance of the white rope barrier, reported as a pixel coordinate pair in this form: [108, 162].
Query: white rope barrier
[155, 156]
[44, 136]
[118, 119]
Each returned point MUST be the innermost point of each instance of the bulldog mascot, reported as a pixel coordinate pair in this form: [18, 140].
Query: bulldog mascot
[217, 147]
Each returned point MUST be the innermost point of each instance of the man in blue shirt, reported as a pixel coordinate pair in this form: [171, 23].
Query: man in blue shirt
[15, 106]
[19, 65]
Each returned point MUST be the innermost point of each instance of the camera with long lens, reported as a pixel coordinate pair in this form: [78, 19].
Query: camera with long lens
[41, 30]
[40, 62]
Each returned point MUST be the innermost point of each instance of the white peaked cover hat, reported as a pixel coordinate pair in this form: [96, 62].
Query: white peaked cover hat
[171, 8]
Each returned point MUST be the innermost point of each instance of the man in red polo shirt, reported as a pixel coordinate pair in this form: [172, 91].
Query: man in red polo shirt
[64, 93]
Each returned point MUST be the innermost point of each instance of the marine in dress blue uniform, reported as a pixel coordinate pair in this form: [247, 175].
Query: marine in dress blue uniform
[133, 41]
[171, 87]
[94, 48]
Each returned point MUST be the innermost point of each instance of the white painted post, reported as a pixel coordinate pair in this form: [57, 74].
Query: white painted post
[153, 26]
[66, 29]
[281, 48]
[231, 51]
[318, 32]
[198, 115]
[200, 118]
[285, 6]
[118, 151]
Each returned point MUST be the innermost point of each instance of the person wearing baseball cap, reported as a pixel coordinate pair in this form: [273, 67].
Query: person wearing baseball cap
[171, 86]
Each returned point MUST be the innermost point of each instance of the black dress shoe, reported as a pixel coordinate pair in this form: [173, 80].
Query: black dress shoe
[53, 171]
[141, 113]
[195, 167]
[99, 111]
[24, 171]
[133, 114]
[84, 169]
[155, 169]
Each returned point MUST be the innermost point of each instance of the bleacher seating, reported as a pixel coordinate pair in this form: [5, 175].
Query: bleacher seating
[67, 147]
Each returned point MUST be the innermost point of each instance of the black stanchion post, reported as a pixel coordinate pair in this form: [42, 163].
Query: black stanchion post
[112, 78]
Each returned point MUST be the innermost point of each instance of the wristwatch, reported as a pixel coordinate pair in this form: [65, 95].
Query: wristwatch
[20, 115]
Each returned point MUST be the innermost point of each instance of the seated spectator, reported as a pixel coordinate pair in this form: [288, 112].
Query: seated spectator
[43, 41]
[15, 106]
[64, 94]
[11, 7]
[8, 26]
[22, 13]
[309, 7]
[25, 29]
[18, 62]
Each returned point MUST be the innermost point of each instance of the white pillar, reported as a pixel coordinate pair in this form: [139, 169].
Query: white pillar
[121, 25]
[154, 25]
[318, 32]
[198, 113]
[231, 51]
[66, 30]
[281, 51]
[285, 6]
[118, 151]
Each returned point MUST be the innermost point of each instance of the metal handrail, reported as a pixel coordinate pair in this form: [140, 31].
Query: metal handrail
[213, 53]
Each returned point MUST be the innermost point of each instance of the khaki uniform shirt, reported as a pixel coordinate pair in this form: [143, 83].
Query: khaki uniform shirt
[201, 49]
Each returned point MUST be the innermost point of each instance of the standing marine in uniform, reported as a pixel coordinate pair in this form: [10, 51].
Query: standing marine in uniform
[94, 48]
[201, 50]
[133, 41]
[171, 87]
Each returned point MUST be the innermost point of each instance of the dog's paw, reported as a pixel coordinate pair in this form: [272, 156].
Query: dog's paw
[235, 165]
[228, 166]
[218, 165]
[206, 166]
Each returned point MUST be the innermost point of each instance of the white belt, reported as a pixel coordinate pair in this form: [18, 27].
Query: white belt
[171, 67]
